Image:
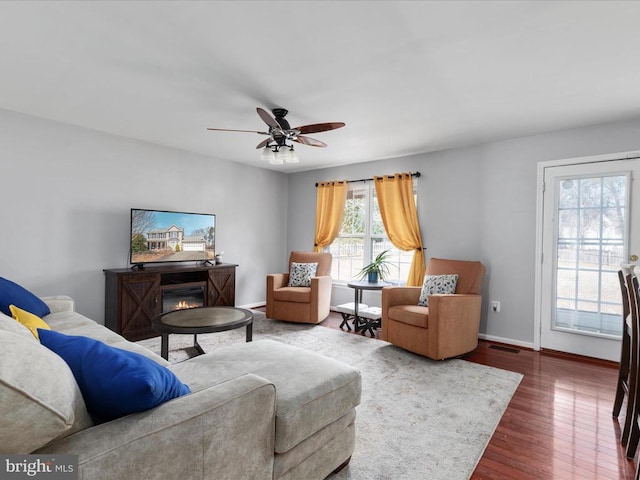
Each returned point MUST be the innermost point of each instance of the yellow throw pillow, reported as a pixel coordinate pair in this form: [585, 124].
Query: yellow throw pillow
[29, 320]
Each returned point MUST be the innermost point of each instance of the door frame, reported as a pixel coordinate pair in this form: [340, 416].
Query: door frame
[542, 166]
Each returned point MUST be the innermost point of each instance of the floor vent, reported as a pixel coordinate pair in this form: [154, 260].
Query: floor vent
[504, 349]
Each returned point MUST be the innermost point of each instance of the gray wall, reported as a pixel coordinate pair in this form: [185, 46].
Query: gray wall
[66, 194]
[476, 203]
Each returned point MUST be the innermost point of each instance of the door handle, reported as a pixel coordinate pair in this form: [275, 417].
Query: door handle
[633, 258]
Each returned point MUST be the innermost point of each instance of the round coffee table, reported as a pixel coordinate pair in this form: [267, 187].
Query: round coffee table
[192, 321]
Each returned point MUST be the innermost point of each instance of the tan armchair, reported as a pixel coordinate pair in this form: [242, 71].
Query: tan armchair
[449, 326]
[301, 304]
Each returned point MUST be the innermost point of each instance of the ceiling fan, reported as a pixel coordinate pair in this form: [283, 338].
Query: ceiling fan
[280, 132]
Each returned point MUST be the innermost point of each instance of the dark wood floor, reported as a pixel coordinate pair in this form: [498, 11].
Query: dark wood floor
[558, 424]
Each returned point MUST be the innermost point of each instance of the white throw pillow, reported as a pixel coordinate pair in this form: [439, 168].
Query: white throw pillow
[39, 397]
[437, 284]
[300, 274]
[8, 324]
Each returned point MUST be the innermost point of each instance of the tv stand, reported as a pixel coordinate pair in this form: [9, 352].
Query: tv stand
[133, 297]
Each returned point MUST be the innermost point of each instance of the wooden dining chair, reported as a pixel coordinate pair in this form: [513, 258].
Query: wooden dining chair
[622, 389]
[631, 431]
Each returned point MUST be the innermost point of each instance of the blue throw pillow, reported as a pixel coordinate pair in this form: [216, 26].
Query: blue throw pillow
[113, 382]
[13, 294]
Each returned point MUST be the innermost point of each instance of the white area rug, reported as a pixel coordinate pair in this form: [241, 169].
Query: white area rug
[419, 419]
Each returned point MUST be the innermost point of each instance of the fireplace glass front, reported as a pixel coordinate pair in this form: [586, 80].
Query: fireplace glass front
[181, 298]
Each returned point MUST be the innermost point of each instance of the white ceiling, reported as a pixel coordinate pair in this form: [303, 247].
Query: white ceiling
[405, 77]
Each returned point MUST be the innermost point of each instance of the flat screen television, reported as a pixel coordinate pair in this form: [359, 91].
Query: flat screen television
[160, 236]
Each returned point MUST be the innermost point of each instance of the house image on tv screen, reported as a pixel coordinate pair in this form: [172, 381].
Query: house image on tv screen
[174, 239]
[151, 242]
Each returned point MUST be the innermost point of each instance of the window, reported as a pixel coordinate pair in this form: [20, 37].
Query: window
[591, 237]
[362, 237]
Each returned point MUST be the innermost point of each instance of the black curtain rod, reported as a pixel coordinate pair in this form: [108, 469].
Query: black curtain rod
[417, 174]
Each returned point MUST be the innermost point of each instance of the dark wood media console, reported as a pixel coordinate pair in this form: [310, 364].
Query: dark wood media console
[134, 297]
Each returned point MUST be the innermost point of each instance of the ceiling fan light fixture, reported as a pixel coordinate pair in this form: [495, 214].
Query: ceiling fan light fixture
[284, 154]
[276, 160]
[267, 154]
[293, 156]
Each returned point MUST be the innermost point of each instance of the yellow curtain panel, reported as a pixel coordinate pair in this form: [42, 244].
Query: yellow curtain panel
[331, 197]
[400, 218]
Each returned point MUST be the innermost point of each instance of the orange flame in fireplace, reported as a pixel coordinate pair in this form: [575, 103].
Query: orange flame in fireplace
[181, 305]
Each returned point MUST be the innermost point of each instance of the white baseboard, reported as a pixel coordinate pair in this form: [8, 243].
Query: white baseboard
[507, 341]
[252, 305]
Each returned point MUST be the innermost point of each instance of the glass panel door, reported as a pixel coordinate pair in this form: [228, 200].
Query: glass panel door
[590, 248]
[587, 232]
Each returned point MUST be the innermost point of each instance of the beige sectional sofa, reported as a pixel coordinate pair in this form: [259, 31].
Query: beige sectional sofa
[260, 410]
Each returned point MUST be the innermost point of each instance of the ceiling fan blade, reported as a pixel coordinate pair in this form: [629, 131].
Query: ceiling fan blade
[309, 141]
[268, 119]
[319, 127]
[263, 143]
[231, 130]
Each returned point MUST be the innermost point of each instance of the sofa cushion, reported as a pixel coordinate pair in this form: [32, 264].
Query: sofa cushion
[94, 331]
[292, 294]
[61, 321]
[13, 294]
[313, 390]
[134, 347]
[29, 320]
[300, 274]
[437, 284]
[73, 323]
[39, 396]
[410, 314]
[9, 324]
[114, 382]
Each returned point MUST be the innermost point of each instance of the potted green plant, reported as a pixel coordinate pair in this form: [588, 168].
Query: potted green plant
[378, 269]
